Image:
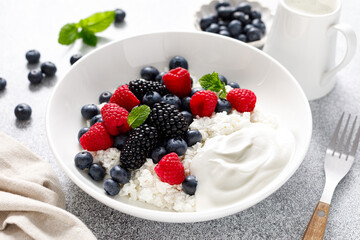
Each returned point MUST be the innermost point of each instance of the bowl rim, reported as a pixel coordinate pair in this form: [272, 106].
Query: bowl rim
[171, 216]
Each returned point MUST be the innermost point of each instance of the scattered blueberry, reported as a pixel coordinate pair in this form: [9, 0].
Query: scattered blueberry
[82, 131]
[242, 37]
[253, 34]
[192, 137]
[172, 99]
[119, 15]
[222, 4]
[97, 172]
[88, 111]
[222, 79]
[159, 77]
[48, 68]
[157, 154]
[83, 160]
[224, 33]
[189, 185]
[188, 116]
[150, 98]
[2, 83]
[23, 111]
[255, 14]
[105, 96]
[119, 141]
[119, 174]
[178, 61]
[35, 76]
[244, 7]
[95, 119]
[185, 104]
[74, 58]
[235, 27]
[176, 145]
[149, 73]
[33, 56]
[111, 187]
[225, 12]
[214, 28]
[234, 85]
[206, 21]
[195, 90]
[223, 105]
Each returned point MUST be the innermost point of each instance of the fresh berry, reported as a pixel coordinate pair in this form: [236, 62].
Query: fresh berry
[244, 7]
[119, 15]
[203, 103]
[223, 105]
[157, 154]
[97, 138]
[82, 131]
[243, 100]
[253, 34]
[234, 85]
[170, 169]
[247, 28]
[35, 76]
[48, 68]
[214, 28]
[185, 104]
[225, 12]
[206, 21]
[192, 137]
[142, 140]
[83, 160]
[149, 73]
[33, 56]
[105, 97]
[23, 111]
[242, 17]
[189, 185]
[119, 141]
[95, 119]
[140, 87]
[195, 90]
[115, 119]
[255, 15]
[88, 111]
[178, 61]
[168, 120]
[222, 4]
[176, 145]
[235, 27]
[2, 83]
[111, 187]
[172, 99]
[150, 98]
[188, 117]
[124, 98]
[97, 172]
[178, 82]
[74, 58]
[242, 37]
[259, 24]
[223, 79]
[224, 33]
[159, 77]
[119, 174]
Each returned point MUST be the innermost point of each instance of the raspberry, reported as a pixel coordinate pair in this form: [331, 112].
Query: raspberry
[203, 103]
[170, 169]
[115, 119]
[140, 87]
[243, 100]
[124, 98]
[178, 82]
[97, 138]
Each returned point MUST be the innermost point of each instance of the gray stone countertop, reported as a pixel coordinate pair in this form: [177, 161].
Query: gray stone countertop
[35, 24]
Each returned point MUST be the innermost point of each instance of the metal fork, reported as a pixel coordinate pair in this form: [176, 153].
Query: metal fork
[338, 161]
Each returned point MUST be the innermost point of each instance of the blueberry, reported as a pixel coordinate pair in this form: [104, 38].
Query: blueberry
[149, 73]
[176, 145]
[244, 7]
[35, 76]
[225, 12]
[192, 137]
[195, 90]
[206, 21]
[222, 79]
[234, 85]
[82, 131]
[247, 28]
[188, 116]
[259, 24]
[157, 154]
[242, 37]
[119, 141]
[224, 33]
[48, 68]
[214, 28]
[223, 23]
[150, 98]
[88, 111]
[111, 187]
[253, 34]
[120, 175]
[23, 111]
[235, 27]
[74, 58]
[223, 105]
[222, 4]
[105, 96]
[159, 77]
[95, 119]
[119, 15]
[172, 99]
[33, 56]
[2, 83]
[189, 184]
[223, 28]
[178, 61]
[97, 172]
[83, 160]
[255, 14]
[185, 104]
[242, 17]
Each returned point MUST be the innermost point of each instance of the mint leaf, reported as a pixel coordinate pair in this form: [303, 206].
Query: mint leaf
[213, 83]
[88, 37]
[68, 34]
[138, 115]
[222, 94]
[98, 22]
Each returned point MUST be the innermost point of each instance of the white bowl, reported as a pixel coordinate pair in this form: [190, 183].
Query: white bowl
[119, 62]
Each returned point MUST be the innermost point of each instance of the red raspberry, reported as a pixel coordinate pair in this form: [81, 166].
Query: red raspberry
[243, 100]
[97, 138]
[178, 82]
[115, 119]
[203, 103]
[124, 98]
[170, 169]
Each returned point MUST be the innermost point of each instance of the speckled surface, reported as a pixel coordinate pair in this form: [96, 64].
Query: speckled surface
[35, 24]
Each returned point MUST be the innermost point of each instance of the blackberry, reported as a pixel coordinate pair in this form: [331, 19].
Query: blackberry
[140, 87]
[142, 140]
[168, 120]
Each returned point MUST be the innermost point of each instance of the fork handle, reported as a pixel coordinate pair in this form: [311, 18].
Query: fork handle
[316, 227]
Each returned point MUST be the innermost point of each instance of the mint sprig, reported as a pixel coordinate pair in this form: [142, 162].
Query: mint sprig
[213, 83]
[86, 28]
[138, 116]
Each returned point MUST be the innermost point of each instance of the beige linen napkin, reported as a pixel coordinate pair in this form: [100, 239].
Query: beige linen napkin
[31, 200]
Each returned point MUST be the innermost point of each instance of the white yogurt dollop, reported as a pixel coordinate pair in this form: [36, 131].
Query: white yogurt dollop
[231, 167]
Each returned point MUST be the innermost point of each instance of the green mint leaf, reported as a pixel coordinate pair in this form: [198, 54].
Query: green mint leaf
[88, 37]
[98, 22]
[138, 115]
[68, 34]
[222, 94]
[211, 82]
